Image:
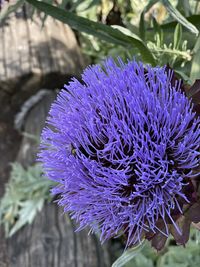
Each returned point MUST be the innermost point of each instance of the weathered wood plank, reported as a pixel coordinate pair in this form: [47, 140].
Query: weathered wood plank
[27, 47]
[50, 240]
[32, 58]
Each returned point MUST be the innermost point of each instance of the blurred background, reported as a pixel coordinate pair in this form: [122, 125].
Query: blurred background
[43, 44]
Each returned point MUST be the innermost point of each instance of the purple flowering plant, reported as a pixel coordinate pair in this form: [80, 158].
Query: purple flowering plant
[124, 147]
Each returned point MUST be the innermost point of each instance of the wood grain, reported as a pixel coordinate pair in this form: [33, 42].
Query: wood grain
[51, 240]
[28, 47]
[31, 59]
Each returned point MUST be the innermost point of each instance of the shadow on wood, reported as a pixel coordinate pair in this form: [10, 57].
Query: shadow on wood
[50, 240]
[32, 59]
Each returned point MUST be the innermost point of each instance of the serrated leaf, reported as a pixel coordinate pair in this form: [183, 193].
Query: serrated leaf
[96, 29]
[25, 194]
[27, 214]
[179, 17]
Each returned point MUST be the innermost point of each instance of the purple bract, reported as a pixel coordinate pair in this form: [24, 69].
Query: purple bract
[122, 146]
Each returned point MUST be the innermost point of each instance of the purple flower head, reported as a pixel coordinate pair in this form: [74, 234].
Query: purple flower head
[122, 146]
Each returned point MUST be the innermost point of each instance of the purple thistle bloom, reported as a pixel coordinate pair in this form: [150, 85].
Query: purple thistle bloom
[122, 146]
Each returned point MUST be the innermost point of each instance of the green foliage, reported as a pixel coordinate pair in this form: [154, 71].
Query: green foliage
[140, 32]
[154, 44]
[176, 52]
[24, 196]
[195, 68]
[127, 256]
[97, 29]
[98, 51]
[179, 17]
[171, 256]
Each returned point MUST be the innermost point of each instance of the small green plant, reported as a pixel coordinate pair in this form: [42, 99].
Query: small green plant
[25, 194]
[171, 256]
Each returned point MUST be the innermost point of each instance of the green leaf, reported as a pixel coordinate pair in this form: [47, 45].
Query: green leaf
[128, 255]
[178, 36]
[194, 19]
[197, 45]
[96, 29]
[126, 32]
[156, 26]
[179, 17]
[195, 68]
[184, 7]
[24, 196]
[27, 214]
[142, 27]
[10, 9]
[183, 76]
